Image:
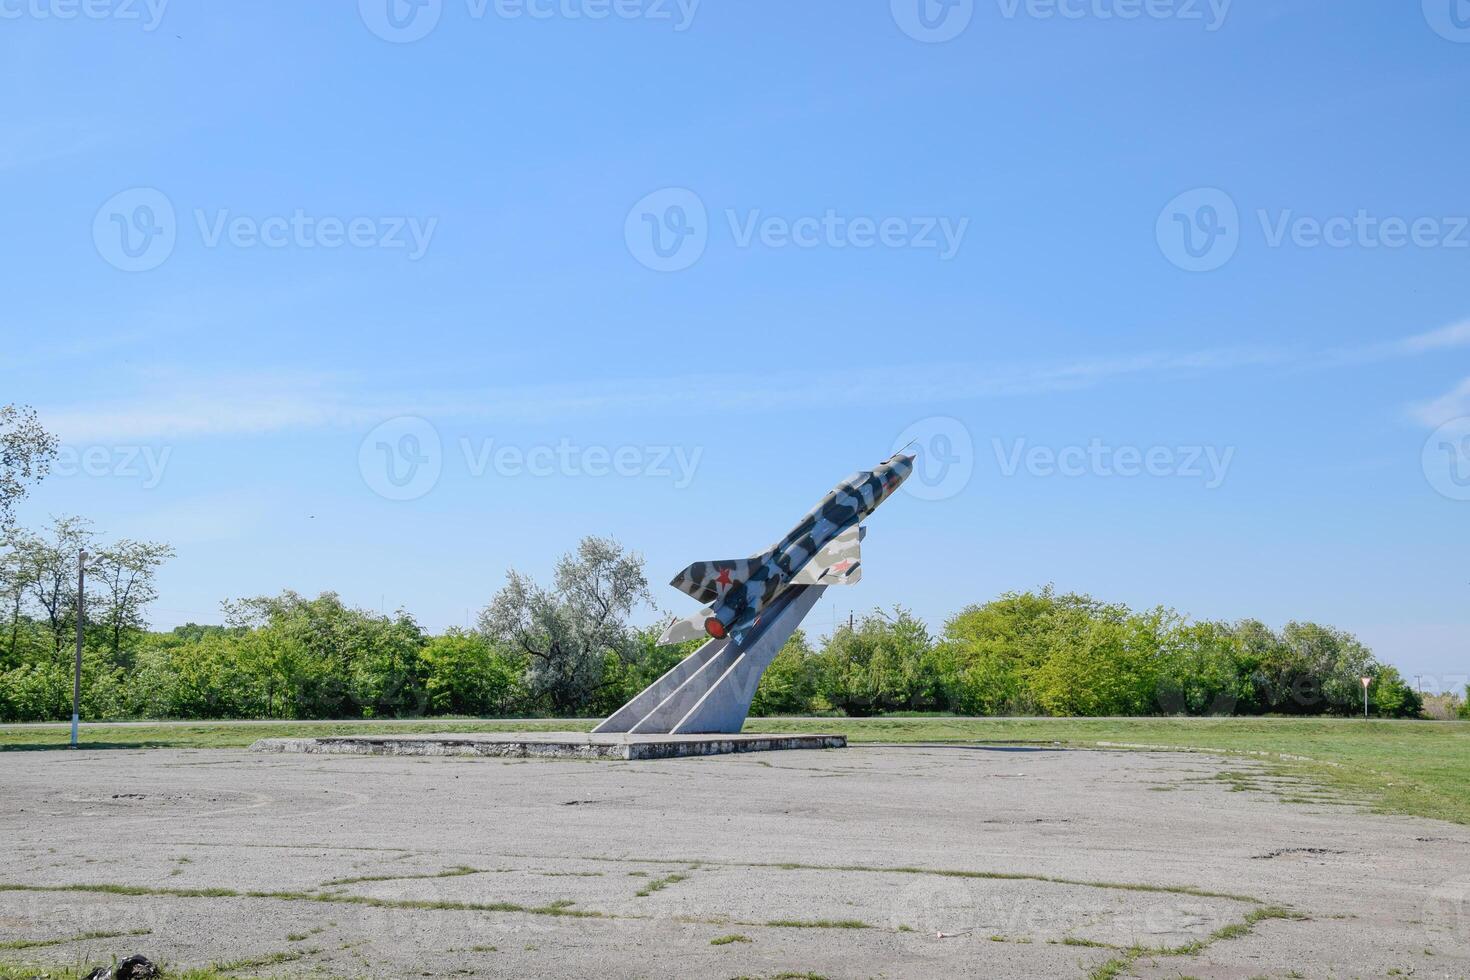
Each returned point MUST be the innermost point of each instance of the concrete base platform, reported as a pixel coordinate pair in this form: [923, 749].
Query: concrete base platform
[550, 745]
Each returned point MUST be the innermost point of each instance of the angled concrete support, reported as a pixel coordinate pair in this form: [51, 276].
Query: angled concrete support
[710, 690]
[654, 694]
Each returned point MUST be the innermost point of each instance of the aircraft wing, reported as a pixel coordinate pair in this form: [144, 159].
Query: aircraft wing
[839, 563]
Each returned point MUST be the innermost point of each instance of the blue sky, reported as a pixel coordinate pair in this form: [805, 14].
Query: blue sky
[1173, 295]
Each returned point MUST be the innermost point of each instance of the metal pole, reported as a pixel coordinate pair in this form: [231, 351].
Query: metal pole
[1365, 702]
[76, 683]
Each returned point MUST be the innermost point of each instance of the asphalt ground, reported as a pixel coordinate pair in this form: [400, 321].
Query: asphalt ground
[869, 861]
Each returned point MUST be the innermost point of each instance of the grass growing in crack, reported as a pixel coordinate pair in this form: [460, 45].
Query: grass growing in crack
[33, 971]
[734, 937]
[817, 924]
[1091, 943]
[658, 884]
[455, 872]
[1234, 930]
[950, 873]
[1112, 969]
[559, 908]
[255, 962]
[16, 944]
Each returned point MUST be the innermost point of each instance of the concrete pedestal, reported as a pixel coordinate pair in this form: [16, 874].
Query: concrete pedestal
[550, 745]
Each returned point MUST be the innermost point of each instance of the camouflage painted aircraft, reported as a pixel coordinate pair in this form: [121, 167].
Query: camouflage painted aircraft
[822, 549]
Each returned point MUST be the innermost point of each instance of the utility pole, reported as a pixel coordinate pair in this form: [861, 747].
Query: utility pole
[76, 683]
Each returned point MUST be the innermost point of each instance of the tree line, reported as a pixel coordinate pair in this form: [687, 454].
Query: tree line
[567, 648]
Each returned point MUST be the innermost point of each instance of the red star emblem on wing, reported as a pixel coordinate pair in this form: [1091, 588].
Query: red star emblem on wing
[841, 566]
[723, 579]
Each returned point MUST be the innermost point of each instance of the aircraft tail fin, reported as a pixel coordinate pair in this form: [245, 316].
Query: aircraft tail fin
[708, 580]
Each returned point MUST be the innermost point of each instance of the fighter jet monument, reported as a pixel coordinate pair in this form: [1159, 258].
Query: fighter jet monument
[751, 608]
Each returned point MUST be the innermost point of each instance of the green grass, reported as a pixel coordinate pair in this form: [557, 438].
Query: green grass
[658, 884]
[256, 962]
[816, 924]
[16, 944]
[561, 908]
[1410, 767]
[734, 937]
[455, 872]
[35, 971]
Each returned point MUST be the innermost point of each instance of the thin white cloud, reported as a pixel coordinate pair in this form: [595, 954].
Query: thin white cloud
[1455, 335]
[1445, 338]
[27, 145]
[1452, 404]
[181, 406]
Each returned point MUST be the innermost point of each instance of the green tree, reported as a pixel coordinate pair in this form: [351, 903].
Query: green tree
[49, 564]
[789, 683]
[15, 587]
[465, 675]
[26, 453]
[1391, 697]
[124, 573]
[880, 664]
[990, 653]
[1203, 670]
[568, 632]
[340, 662]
